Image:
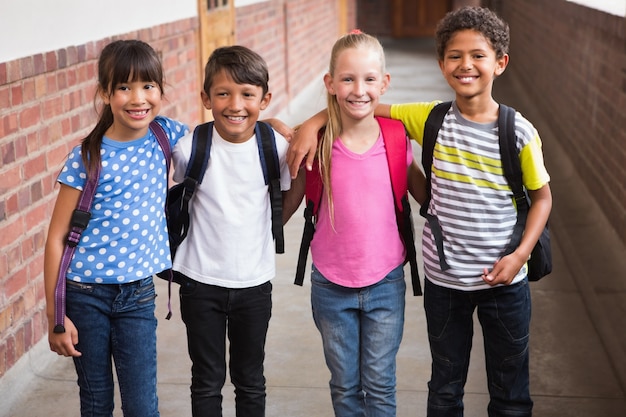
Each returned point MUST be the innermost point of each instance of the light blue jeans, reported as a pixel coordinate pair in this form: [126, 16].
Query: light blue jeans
[115, 322]
[361, 331]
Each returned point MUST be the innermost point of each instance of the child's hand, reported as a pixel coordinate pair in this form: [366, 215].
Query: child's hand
[282, 128]
[304, 143]
[504, 270]
[63, 343]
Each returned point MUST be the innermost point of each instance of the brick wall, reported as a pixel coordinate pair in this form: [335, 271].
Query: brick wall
[571, 61]
[46, 107]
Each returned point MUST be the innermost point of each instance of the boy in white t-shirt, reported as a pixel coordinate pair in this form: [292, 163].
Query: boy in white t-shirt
[227, 260]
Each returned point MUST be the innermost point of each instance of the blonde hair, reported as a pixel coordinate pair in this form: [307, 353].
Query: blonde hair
[355, 39]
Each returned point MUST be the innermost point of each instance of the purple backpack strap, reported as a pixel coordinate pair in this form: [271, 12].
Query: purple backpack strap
[164, 143]
[79, 221]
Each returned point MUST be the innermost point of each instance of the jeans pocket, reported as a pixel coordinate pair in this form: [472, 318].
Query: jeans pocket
[145, 291]
[318, 279]
[396, 274]
[79, 287]
[187, 286]
[266, 288]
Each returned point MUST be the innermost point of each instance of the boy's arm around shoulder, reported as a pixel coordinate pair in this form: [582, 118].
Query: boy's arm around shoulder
[417, 183]
[304, 142]
[292, 198]
[281, 127]
[180, 157]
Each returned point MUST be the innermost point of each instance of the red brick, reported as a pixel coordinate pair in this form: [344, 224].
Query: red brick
[51, 83]
[28, 90]
[3, 73]
[10, 124]
[30, 116]
[5, 319]
[52, 107]
[27, 67]
[5, 101]
[16, 94]
[51, 61]
[13, 286]
[3, 360]
[13, 71]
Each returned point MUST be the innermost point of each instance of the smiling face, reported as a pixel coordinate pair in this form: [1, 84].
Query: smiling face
[134, 105]
[470, 64]
[357, 81]
[235, 107]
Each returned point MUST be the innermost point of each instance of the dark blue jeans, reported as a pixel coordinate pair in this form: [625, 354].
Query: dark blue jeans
[210, 314]
[115, 322]
[504, 315]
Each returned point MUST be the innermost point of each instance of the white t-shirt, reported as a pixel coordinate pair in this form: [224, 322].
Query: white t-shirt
[230, 241]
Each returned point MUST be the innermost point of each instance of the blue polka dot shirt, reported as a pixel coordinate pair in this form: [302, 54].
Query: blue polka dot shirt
[126, 239]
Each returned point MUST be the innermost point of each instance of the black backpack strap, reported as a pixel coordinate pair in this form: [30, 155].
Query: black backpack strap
[512, 169]
[200, 151]
[431, 130]
[271, 171]
[198, 162]
[305, 243]
[313, 197]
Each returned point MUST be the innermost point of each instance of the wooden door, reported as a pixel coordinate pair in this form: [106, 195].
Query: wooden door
[418, 18]
[217, 28]
[343, 17]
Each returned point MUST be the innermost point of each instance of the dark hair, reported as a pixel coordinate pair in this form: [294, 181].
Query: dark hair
[480, 19]
[120, 61]
[242, 64]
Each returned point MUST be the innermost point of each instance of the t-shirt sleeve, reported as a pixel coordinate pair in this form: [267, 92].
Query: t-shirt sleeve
[414, 116]
[73, 173]
[534, 173]
[175, 129]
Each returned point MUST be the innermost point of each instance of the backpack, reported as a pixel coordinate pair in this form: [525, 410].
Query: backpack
[394, 136]
[540, 262]
[177, 204]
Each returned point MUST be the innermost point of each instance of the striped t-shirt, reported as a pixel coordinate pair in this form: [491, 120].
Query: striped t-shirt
[470, 195]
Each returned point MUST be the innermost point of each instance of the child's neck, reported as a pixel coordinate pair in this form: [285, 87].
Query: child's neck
[478, 110]
[359, 135]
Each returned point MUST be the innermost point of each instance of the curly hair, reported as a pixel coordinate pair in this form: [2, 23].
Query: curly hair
[480, 19]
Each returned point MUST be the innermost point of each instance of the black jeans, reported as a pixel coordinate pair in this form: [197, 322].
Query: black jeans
[210, 313]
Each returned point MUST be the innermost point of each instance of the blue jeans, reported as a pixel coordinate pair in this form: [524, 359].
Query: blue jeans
[361, 331]
[118, 322]
[210, 313]
[504, 315]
